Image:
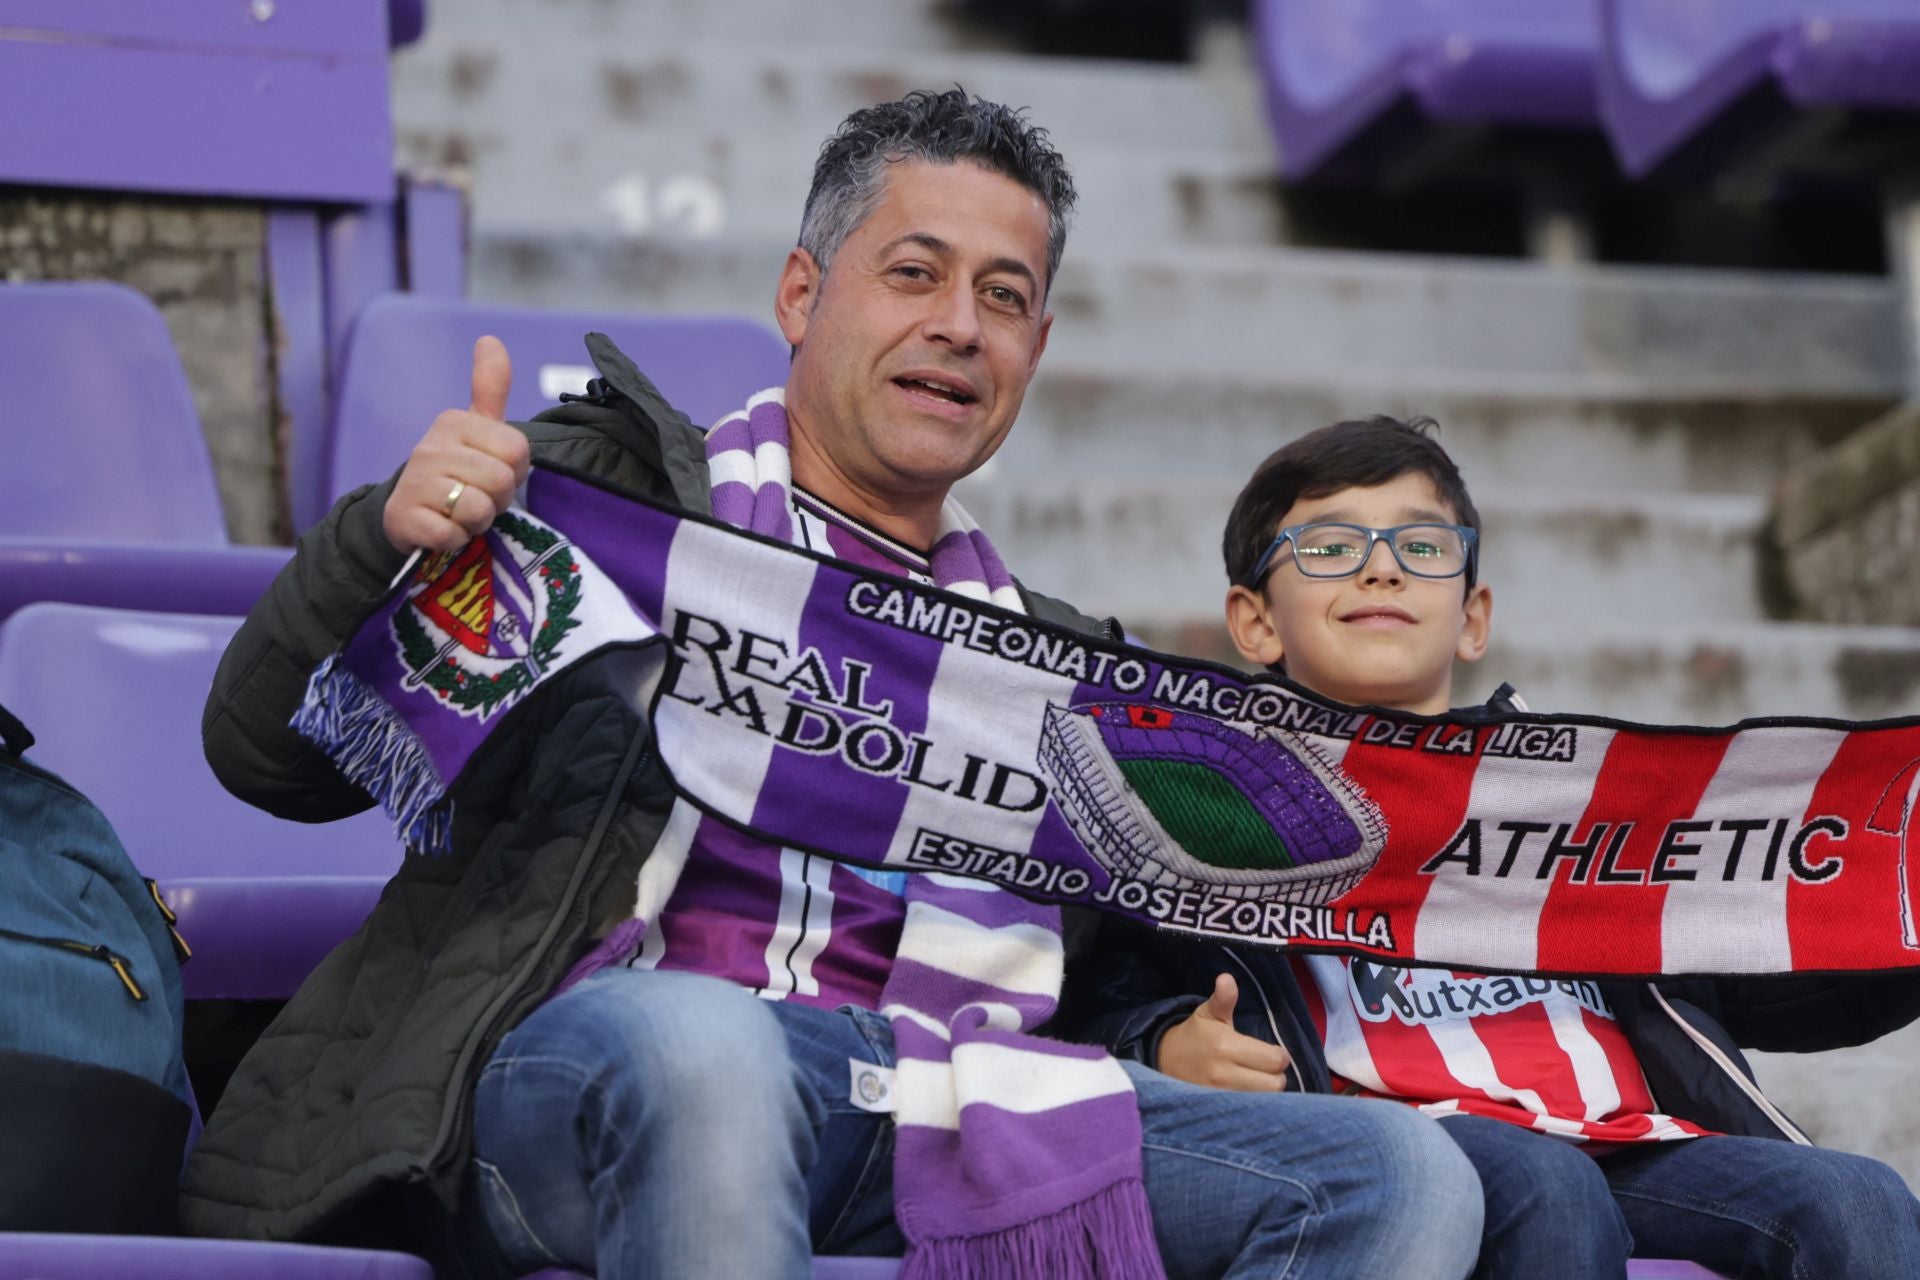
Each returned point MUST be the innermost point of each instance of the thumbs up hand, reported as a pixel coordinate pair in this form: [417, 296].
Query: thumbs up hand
[1205, 1049]
[464, 470]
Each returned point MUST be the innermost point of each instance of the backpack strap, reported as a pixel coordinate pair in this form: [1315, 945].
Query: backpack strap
[13, 734]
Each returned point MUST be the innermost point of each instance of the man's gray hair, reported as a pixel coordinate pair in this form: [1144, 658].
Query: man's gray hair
[940, 128]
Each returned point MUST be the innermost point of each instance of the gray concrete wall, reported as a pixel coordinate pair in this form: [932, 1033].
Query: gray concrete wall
[202, 264]
[1846, 524]
[1839, 550]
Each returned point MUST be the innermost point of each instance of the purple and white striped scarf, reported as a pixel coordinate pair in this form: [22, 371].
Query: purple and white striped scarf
[1014, 1155]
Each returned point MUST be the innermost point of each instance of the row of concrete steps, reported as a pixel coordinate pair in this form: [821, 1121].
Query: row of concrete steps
[1253, 317]
[1084, 416]
[799, 95]
[639, 133]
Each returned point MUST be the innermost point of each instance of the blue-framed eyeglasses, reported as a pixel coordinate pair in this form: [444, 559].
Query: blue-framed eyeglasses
[1332, 550]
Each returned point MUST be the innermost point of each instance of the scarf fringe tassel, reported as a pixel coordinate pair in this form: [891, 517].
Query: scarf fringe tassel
[1107, 1236]
[377, 752]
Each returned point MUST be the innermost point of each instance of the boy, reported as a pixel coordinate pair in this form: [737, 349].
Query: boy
[1604, 1118]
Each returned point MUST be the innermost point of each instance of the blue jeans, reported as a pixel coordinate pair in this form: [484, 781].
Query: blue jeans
[1740, 1206]
[651, 1124]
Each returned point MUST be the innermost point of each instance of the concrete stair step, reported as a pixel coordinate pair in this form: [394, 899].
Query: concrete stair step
[635, 182]
[1081, 417]
[1712, 674]
[802, 93]
[1433, 321]
[1148, 550]
[536, 120]
[571, 137]
[767, 24]
[1263, 316]
[1671, 559]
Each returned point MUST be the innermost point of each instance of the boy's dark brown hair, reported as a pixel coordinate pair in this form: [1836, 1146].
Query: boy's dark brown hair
[1357, 454]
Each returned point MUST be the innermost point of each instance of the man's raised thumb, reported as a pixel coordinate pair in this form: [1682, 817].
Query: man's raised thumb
[492, 376]
[1219, 1005]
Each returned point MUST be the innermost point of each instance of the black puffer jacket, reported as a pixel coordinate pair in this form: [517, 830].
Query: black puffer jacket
[1687, 1033]
[363, 1082]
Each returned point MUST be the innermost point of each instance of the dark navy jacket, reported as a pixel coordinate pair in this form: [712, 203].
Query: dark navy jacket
[1132, 983]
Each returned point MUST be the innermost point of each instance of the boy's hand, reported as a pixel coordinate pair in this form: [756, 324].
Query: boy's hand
[464, 470]
[1205, 1049]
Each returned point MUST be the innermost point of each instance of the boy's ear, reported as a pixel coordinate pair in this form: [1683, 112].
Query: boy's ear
[1250, 623]
[1479, 624]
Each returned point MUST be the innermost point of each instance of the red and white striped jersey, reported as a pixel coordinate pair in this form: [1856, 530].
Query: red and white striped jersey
[1538, 1052]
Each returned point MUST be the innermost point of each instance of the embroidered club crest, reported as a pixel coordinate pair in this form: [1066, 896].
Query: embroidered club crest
[480, 627]
[1167, 797]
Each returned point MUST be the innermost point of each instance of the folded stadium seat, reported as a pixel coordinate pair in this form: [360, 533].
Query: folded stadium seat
[1682, 86]
[58, 1257]
[1348, 84]
[114, 698]
[409, 358]
[108, 495]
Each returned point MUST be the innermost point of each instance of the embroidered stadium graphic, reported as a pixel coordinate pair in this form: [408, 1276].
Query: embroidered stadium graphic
[480, 627]
[1896, 815]
[1167, 797]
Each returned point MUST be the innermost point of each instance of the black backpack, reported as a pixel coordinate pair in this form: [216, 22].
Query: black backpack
[94, 1103]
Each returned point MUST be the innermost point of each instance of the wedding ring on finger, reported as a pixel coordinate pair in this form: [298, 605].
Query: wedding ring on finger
[453, 498]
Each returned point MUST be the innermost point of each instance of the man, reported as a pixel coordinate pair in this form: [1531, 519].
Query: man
[706, 1093]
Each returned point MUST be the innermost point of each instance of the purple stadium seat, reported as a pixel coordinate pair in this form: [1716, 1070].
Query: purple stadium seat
[108, 494]
[125, 575]
[103, 441]
[1679, 82]
[411, 357]
[60, 1257]
[114, 698]
[1342, 76]
[259, 101]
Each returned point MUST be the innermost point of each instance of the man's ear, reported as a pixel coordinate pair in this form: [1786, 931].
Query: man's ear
[1250, 623]
[1040, 345]
[1479, 623]
[793, 298]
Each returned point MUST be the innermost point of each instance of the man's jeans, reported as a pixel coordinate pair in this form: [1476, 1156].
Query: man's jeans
[1741, 1206]
[650, 1124]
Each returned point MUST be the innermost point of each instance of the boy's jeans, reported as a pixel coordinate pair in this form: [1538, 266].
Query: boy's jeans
[1741, 1206]
[668, 1124]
